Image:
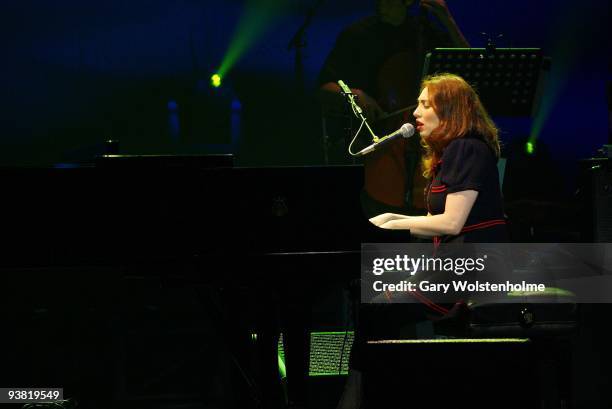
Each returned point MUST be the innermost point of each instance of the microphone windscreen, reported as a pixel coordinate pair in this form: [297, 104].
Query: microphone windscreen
[407, 130]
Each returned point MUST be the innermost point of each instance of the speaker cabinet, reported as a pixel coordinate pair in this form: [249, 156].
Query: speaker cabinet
[596, 188]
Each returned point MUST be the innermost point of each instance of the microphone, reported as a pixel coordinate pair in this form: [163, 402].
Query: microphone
[406, 131]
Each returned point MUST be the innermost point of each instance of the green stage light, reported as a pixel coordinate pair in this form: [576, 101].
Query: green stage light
[569, 35]
[256, 18]
[530, 148]
[282, 370]
[215, 81]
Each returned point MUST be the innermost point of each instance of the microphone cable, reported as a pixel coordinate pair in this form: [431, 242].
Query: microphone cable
[350, 147]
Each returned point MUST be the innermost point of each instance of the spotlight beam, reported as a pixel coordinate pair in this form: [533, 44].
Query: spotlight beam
[257, 17]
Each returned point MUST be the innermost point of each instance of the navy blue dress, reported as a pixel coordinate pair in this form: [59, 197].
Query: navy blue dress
[468, 163]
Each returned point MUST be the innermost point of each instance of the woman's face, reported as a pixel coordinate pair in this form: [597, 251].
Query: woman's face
[426, 118]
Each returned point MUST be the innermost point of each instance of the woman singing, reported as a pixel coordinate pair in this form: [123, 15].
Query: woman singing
[463, 197]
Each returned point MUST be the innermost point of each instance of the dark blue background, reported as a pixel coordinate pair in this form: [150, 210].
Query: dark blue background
[76, 73]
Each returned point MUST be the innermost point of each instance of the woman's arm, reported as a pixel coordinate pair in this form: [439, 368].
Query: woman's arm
[456, 36]
[441, 11]
[456, 210]
[385, 217]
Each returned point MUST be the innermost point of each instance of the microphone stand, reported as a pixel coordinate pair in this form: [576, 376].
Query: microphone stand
[298, 43]
[346, 91]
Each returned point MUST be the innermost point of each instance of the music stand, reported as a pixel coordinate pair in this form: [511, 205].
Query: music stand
[508, 80]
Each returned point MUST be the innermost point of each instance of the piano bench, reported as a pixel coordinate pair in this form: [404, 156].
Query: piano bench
[549, 314]
[550, 326]
[446, 373]
[515, 355]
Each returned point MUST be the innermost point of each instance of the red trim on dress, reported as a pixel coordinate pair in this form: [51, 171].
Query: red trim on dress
[438, 189]
[483, 225]
[430, 304]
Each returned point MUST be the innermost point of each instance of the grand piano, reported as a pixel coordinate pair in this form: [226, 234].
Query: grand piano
[188, 219]
[128, 208]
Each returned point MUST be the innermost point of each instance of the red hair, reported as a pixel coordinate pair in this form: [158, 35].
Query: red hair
[460, 111]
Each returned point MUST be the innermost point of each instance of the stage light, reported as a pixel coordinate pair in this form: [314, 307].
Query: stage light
[530, 148]
[257, 17]
[282, 369]
[568, 46]
[215, 80]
